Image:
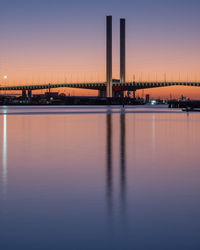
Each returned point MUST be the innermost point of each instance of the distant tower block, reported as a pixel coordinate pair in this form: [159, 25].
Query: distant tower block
[109, 55]
[122, 50]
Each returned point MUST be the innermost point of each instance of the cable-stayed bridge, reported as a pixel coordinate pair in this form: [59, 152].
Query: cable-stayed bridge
[111, 87]
[116, 86]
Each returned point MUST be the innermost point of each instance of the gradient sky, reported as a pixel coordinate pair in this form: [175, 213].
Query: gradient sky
[64, 41]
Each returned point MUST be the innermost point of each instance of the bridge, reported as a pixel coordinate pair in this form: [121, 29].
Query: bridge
[111, 87]
[116, 86]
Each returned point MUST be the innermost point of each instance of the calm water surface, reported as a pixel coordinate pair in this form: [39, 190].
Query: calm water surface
[99, 178]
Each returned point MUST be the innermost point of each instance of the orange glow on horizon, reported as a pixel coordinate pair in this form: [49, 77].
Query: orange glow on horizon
[84, 61]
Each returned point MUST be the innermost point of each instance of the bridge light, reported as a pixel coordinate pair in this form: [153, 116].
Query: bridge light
[153, 102]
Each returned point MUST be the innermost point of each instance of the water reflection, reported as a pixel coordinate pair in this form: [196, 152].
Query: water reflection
[122, 162]
[58, 198]
[4, 153]
[109, 176]
[153, 136]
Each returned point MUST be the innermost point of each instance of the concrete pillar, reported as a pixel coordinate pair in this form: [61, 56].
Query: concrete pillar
[109, 55]
[49, 89]
[122, 50]
[29, 94]
[118, 94]
[24, 93]
[102, 93]
[134, 90]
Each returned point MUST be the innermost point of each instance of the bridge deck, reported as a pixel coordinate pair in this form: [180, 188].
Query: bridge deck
[101, 86]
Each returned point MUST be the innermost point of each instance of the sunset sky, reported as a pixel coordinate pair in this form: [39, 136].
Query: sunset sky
[46, 41]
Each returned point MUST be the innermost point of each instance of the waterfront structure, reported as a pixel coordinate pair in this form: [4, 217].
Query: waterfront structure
[109, 55]
[111, 87]
[122, 51]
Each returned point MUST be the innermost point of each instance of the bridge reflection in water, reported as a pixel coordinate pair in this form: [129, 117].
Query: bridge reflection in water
[109, 175]
[123, 162]
[109, 179]
[4, 154]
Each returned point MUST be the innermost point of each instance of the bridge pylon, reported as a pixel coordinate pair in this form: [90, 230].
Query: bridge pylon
[109, 56]
[122, 52]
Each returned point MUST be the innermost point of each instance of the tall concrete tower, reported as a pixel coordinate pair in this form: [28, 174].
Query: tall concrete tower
[109, 55]
[122, 50]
